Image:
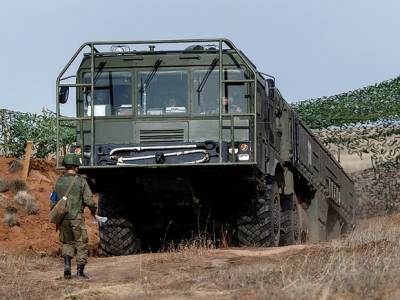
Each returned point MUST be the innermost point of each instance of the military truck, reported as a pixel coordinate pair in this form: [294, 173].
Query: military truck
[182, 137]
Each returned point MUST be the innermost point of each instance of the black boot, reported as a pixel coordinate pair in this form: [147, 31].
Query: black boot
[67, 267]
[81, 272]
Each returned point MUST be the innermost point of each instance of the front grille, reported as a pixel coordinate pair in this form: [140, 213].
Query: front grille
[162, 136]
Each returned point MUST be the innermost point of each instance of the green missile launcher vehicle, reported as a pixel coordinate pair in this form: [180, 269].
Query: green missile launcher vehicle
[187, 137]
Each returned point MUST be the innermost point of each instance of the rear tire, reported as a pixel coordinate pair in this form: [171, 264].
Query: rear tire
[117, 235]
[335, 225]
[290, 229]
[260, 224]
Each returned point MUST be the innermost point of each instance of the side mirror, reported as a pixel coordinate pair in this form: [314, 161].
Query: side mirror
[63, 94]
[271, 88]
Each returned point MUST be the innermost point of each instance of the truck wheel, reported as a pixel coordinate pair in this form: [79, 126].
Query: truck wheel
[117, 235]
[290, 232]
[118, 238]
[260, 225]
[334, 225]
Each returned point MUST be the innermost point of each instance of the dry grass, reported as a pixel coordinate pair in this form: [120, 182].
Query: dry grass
[22, 197]
[365, 264]
[16, 285]
[198, 243]
[10, 216]
[31, 206]
[28, 200]
[3, 201]
[3, 185]
[17, 185]
[15, 166]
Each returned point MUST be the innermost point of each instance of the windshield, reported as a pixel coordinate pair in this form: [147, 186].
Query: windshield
[112, 94]
[166, 93]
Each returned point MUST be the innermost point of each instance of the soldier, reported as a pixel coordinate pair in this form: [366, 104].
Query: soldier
[230, 106]
[73, 234]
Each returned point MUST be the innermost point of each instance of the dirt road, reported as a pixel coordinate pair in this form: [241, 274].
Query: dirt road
[190, 274]
[363, 265]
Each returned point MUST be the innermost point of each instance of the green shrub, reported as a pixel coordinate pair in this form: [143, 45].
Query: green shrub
[18, 128]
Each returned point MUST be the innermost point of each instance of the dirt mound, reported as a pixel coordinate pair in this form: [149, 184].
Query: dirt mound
[34, 233]
[43, 166]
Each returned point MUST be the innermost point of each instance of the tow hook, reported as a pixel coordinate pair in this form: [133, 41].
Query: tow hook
[159, 157]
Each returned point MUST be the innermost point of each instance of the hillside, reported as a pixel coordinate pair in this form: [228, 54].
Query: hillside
[35, 233]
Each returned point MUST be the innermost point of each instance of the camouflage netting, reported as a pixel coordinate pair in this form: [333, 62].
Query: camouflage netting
[378, 187]
[364, 123]
[378, 190]
[381, 143]
[376, 103]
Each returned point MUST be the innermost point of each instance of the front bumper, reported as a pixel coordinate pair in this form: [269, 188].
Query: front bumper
[207, 152]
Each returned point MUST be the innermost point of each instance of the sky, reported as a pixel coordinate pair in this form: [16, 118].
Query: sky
[313, 47]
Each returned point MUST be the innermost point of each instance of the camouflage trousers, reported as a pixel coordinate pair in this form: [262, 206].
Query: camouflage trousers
[74, 239]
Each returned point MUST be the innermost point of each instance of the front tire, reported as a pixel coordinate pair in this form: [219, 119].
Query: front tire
[117, 235]
[260, 225]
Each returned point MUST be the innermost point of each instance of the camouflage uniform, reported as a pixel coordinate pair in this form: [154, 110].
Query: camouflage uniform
[73, 234]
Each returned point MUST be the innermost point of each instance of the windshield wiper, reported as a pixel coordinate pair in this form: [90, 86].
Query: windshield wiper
[151, 75]
[96, 77]
[205, 78]
[100, 70]
[148, 80]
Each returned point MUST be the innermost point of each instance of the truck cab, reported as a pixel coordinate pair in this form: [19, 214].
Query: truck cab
[194, 105]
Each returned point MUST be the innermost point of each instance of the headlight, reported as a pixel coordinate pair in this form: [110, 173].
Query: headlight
[242, 157]
[236, 150]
